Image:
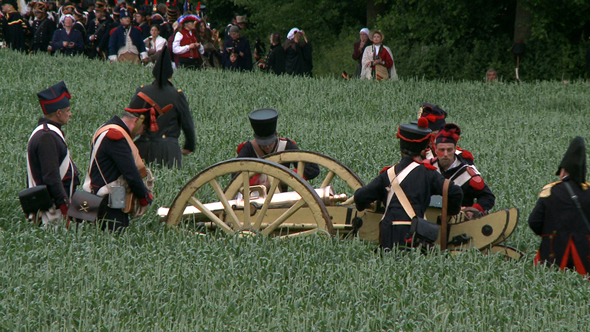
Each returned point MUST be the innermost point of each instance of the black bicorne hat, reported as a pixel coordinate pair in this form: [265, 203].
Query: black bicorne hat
[54, 98]
[574, 160]
[434, 114]
[414, 137]
[163, 68]
[264, 123]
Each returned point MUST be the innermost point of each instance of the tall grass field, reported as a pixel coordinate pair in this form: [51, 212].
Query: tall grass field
[155, 278]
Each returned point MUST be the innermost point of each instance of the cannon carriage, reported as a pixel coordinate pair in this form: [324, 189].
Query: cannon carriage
[241, 207]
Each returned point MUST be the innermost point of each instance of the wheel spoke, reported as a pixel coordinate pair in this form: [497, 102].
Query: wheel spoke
[274, 183]
[214, 218]
[228, 209]
[298, 234]
[327, 179]
[300, 168]
[283, 217]
[246, 179]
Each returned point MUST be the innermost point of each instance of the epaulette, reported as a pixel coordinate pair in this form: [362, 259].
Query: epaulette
[546, 191]
[476, 180]
[240, 147]
[429, 166]
[114, 135]
[141, 87]
[467, 155]
[287, 139]
[179, 91]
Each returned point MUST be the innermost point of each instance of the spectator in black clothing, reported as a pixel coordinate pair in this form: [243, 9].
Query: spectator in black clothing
[142, 23]
[359, 49]
[43, 29]
[239, 45]
[297, 53]
[275, 60]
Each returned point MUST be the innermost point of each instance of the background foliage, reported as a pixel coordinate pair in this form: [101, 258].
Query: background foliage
[436, 39]
[153, 278]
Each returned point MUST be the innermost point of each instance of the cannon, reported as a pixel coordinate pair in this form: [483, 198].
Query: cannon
[328, 209]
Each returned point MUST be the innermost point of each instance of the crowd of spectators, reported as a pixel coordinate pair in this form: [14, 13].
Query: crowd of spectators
[137, 34]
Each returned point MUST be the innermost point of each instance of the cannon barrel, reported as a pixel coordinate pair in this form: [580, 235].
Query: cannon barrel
[257, 198]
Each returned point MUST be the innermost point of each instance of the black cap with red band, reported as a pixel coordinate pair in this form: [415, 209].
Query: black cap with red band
[54, 98]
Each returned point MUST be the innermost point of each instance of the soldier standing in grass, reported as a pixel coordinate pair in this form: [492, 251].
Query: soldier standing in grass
[562, 212]
[162, 146]
[419, 181]
[476, 194]
[116, 169]
[266, 141]
[48, 158]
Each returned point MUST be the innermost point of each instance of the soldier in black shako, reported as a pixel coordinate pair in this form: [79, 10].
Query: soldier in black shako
[267, 141]
[417, 180]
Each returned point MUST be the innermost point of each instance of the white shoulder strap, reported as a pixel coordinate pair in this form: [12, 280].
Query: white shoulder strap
[397, 179]
[87, 181]
[282, 145]
[465, 176]
[66, 162]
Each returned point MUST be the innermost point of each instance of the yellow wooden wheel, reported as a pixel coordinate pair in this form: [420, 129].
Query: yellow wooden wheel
[334, 168]
[306, 214]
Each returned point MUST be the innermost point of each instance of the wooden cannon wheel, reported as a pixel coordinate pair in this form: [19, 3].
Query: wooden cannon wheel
[334, 167]
[254, 219]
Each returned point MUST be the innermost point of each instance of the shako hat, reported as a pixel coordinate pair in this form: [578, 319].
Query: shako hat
[414, 137]
[54, 98]
[574, 160]
[264, 123]
[434, 114]
[450, 133]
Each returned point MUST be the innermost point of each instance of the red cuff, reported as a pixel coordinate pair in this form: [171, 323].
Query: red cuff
[147, 200]
[477, 206]
[64, 209]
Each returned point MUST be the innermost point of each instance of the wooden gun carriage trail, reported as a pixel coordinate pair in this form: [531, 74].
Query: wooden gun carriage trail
[241, 208]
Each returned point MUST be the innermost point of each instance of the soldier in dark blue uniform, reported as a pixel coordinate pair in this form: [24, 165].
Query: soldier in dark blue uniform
[561, 223]
[162, 146]
[266, 141]
[462, 172]
[418, 181]
[48, 159]
[43, 28]
[14, 27]
[115, 163]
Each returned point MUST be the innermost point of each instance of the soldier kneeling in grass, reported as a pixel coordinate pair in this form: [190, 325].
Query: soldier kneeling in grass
[266, 141]
[478, 199]
[413, 183]
[561, 214]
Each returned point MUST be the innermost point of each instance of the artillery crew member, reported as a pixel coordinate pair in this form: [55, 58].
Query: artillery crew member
[266, 141]
[453, 166]
[162, 146]
[419, 181]
[115, 163]
[562, 213]
[48, 158]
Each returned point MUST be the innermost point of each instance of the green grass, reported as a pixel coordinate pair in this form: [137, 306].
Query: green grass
[158, 279]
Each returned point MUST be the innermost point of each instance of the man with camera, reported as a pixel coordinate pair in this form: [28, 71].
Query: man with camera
[416, 180]
[48, 158]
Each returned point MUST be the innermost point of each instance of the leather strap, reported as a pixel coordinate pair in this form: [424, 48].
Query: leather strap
[577, 203]
[154, 104]
[403, 199]
[443, 221]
